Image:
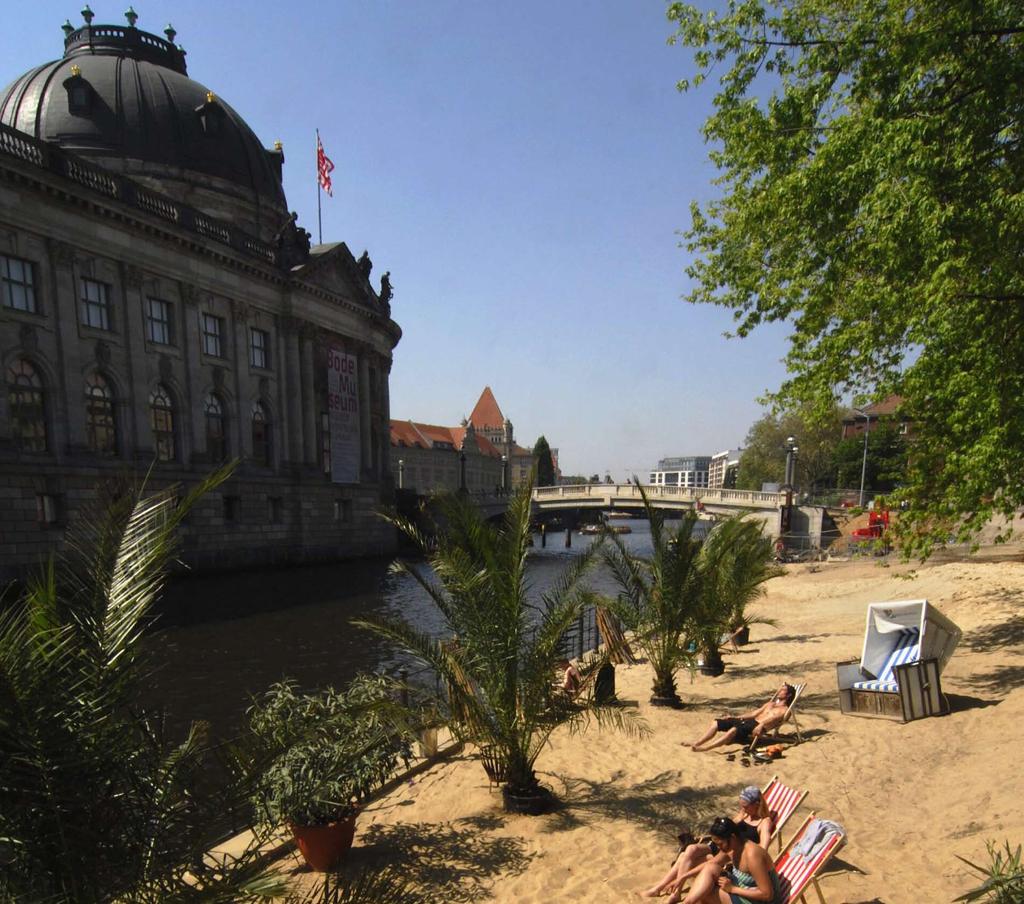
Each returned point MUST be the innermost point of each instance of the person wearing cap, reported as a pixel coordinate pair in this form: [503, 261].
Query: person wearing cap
[753, 821]
[741, 729]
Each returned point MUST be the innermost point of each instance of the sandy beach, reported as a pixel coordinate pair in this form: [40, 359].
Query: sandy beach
[911, 796]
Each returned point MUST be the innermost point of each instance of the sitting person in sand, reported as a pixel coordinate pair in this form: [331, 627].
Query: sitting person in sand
[753, 821]
[571, 678]
[746, 873]
[741, 729]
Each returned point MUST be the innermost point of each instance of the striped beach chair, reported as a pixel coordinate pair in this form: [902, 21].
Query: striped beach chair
[907, 649]
[790, 716]
[782, 802]
[796, 872]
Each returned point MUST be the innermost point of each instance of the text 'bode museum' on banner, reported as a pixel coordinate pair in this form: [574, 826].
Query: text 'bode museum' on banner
[343, 408]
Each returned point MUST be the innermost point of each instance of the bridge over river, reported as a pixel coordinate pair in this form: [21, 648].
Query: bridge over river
[627, 496]
[810, 524]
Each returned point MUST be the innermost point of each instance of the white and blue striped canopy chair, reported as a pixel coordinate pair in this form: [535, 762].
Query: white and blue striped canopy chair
[906, 646]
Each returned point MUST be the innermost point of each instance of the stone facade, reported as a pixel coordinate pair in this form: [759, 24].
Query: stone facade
[428, 459]
[139, 336]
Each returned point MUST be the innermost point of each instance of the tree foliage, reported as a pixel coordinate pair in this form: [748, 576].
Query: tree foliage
[886, 464]
[763, 459]
[545, 463]
[96, 804]
[498, 658]
[871, 175]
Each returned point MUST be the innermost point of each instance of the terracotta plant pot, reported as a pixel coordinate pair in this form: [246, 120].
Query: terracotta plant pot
[324, 847]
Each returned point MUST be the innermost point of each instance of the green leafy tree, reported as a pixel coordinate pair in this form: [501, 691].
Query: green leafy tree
[96, 804]
[886, 459]
[763, 459]
[544, 463]
[499, 656]
[871, 172]
[660, 596]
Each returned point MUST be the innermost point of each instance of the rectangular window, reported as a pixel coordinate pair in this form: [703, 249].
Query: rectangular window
[95, 304]
[213, 330]
[275, 509]
[232, 507]
[47, 508]
[259, 348]
[17, 284]
[158, 321]
[343, 510]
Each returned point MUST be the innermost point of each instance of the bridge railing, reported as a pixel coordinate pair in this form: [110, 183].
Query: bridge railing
[631, 491]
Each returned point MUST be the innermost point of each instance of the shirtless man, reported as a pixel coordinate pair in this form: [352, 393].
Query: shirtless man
[741, 729]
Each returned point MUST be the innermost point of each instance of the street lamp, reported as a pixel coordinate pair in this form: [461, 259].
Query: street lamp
[401, 474]
[791, 452]
[504, 475]
[864, 459]
[462, 472]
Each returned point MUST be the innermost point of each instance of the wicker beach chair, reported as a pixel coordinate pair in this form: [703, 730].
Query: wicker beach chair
[796, 871]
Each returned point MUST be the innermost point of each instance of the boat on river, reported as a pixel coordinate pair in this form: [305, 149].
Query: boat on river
[598, 528]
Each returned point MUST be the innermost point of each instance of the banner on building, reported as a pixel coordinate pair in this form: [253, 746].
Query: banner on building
[343, 411]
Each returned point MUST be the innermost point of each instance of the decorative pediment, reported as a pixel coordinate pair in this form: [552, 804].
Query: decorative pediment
[335, 271]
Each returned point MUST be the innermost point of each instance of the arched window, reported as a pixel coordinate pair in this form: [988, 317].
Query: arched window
[161, 417]
[216, 432]
[260, 433]
[27, 405]
[100, 423]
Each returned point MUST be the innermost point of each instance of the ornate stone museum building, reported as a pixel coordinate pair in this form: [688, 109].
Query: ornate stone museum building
[162, 312]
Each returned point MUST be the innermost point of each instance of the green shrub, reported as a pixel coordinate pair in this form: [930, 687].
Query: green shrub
[1003, 876]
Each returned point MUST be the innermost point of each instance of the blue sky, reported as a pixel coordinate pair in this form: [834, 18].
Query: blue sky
[522, 170]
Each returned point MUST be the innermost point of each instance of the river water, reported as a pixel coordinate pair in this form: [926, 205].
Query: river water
[221, 639]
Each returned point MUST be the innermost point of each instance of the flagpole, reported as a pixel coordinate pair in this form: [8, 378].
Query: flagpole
[319, 218]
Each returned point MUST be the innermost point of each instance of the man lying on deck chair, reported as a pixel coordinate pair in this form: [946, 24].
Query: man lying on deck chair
[741, 729]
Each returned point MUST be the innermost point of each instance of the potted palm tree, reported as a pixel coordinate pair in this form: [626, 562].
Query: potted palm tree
[735, 561]
[498, 654]
[328, 752]
[659, 597]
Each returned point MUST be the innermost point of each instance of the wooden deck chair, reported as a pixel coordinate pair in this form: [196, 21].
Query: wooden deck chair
[796, 872]
[782, 802]
[790, 716]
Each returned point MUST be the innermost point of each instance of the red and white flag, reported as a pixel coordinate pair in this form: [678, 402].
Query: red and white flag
[324, 167]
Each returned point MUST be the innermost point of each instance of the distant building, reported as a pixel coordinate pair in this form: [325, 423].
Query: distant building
[887, 410]
[430, 459]
[488, 421]
[723, 469]
[690, 471]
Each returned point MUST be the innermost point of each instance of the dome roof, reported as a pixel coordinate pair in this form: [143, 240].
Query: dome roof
[122, 98]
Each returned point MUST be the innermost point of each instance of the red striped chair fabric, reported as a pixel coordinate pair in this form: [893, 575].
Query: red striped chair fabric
[782, 801]
[797, 872]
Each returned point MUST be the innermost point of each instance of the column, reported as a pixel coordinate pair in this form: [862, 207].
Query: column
[240, 421]
[292, 434]
[385, 413]
[134, 340]
[309, 406]
[69, 396]
[190, 340]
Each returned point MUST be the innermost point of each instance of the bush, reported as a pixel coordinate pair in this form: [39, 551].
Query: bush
[331, 750]
[1004, 876]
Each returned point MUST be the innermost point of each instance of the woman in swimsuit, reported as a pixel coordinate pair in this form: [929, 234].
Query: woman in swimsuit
[747, 876]
[754, 821]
